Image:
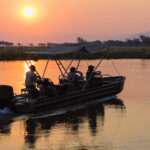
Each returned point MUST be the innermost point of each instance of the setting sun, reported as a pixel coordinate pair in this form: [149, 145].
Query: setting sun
[28, 12]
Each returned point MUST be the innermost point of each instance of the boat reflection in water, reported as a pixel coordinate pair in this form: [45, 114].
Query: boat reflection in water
[5, 126]
[72, 121]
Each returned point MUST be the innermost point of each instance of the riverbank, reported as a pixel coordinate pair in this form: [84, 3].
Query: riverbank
[35, 53]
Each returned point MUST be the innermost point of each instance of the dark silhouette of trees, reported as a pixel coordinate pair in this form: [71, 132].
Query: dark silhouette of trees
[81, 40]
[145, 40]
[6, 44]
[141, 41]
[133, 43]
[113, 43]
[19, 44]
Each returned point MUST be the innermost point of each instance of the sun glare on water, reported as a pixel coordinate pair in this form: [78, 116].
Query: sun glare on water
[28, 12]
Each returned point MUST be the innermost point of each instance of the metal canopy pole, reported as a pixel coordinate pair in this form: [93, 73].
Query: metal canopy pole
[57, 63]
[62, 66]
[101, 60]
[69, 66]
[78, 62]
[28, 64]
[97, 66]
[45, 69]
[72, 62]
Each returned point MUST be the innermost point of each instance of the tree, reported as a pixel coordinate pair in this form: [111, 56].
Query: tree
[81, 40]
[145, 40]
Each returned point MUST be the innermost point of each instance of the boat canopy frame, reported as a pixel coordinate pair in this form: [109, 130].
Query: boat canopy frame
[64, 70]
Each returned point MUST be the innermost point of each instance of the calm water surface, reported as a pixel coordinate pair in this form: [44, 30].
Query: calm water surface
[123, 125]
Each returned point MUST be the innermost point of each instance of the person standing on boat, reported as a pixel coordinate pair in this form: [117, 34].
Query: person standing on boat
[31, 78]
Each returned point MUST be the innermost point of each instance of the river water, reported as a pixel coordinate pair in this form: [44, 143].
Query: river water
[122, 125]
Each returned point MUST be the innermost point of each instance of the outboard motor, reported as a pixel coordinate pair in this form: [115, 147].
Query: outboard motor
[6, 95]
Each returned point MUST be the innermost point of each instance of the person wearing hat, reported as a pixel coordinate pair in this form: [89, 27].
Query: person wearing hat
[31, 78]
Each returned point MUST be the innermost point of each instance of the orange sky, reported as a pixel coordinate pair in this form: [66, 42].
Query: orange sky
[64, 20]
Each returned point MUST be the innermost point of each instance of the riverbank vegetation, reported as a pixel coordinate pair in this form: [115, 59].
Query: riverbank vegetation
[114, 49]
[113, 53]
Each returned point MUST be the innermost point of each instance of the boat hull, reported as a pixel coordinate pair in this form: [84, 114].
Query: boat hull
[111, 87]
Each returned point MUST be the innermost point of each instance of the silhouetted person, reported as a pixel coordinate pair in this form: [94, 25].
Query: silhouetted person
[93, 77]
[96, 113]
[30, 81]
[91, 73]
[31, 77]
[75, 77]
[30, 138]
[74, 74]
[47, 88]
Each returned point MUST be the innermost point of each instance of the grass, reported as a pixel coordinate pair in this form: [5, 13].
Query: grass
[19, 53]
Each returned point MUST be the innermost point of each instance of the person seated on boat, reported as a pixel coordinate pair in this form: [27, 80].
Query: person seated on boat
[30, 80]
[75, 76]
[47, 88]
[93, 77]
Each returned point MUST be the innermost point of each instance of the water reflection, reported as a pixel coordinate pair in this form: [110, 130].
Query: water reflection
[72, 122]
[5, 126]
[30, 128]
[93, 113]
[116, 104]
[64, 125]
[88, 122]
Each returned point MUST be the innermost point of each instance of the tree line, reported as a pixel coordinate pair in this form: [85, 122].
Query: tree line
[141, 41]
[135, 42]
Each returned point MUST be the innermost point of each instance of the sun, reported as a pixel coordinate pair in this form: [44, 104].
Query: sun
[29, 12]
